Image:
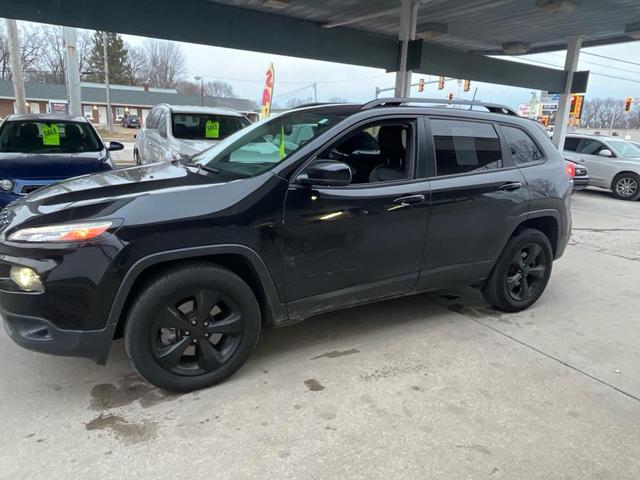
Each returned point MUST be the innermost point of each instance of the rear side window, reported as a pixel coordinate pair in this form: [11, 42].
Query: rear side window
[465, 147]
[571, 144]
[523, 149]
[153, 119]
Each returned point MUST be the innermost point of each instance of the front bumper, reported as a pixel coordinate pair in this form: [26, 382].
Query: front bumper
[42, 336]
[71, 316]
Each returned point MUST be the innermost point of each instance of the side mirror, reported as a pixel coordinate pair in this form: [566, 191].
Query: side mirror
[327, 173]
[113, 146]
[605, 152]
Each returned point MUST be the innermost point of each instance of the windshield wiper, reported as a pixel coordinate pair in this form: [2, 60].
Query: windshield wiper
[206, 168]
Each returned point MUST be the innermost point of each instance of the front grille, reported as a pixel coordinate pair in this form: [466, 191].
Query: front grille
[27, 189]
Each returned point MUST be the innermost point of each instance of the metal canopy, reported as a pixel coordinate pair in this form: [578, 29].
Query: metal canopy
[456, 33]
[479, 26]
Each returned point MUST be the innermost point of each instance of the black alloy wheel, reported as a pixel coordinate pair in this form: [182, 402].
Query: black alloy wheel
[192, 327]
[196, 334]
[521, 272]
[526, 272]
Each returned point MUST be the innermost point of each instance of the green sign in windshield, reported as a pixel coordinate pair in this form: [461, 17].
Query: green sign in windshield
[51, 135]
[212, 129]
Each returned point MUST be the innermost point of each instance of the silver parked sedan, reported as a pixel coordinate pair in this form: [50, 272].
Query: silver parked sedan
[613, 163]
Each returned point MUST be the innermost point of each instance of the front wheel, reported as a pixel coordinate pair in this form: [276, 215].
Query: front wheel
[626, 186]
[192, 327]
[521, 273]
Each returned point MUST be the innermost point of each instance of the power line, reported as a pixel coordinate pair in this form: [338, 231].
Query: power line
[300, 82]
[612, 58]
[601, 65]
[592, 73]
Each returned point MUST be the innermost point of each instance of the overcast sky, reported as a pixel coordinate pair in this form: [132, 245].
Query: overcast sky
[245, 71]
[294, 76]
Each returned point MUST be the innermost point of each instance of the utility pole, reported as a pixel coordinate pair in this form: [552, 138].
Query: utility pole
[16, 67]
[315, 92]
[72, 71]
[201, 89]
[106, 82]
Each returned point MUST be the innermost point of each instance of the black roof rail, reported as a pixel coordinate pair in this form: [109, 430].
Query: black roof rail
[491, 107]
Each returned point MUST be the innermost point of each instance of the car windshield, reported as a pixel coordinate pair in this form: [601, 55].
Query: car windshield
[205, 126]
[43, 136]
[626, 149]
[263, 145]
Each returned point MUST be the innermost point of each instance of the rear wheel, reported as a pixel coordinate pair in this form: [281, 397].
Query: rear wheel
[521, 273]
[136, 157]
[192, 328]
[626, 186]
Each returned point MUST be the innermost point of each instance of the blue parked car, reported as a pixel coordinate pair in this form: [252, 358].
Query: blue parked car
[38, 150]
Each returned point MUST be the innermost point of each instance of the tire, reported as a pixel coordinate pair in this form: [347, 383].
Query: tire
[172, 352]
[136, 157]
[521, 273]
[626, 186]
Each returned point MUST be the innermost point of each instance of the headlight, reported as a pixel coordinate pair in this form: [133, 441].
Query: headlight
[26, 278]
[6, 185]
[77, 232]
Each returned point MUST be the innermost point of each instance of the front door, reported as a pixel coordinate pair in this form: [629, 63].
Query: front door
[345, 245]
[601, 169]
[478, 199]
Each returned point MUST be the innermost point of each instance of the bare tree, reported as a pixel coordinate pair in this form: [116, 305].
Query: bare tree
[218, 88]
[185, 87]
[31, 45]
[165, 63]
[137, 65]
[599, 113]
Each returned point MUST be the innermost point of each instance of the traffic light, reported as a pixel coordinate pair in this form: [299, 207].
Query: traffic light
[441, 82]
[450, 95]
[572, 105]
[466, 85]
[627, 104]
[421, 85]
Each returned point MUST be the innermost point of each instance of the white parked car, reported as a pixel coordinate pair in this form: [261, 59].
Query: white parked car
[172, 132]
[612, 163]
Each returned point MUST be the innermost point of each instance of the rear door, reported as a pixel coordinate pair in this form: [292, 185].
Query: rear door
[478, 198]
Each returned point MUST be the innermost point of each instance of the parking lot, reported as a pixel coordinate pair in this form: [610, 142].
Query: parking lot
[433, 386]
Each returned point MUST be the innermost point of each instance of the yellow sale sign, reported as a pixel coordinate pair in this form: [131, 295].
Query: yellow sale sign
[267, 93]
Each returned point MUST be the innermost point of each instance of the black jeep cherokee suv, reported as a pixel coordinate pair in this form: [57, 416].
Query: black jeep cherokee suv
[318, 209]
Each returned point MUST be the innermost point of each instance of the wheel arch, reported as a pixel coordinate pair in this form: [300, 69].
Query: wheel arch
[241, 260]
[623, 172]
[547, 222]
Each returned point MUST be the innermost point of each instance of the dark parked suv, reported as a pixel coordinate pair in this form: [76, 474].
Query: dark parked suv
[318, 209]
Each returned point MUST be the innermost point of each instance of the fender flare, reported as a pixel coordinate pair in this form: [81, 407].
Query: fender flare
[277, 310]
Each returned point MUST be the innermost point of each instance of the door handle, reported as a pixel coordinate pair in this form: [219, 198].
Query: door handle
[510, 186]
[409, 199]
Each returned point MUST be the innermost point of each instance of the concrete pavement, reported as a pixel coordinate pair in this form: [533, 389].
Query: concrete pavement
[421, 387]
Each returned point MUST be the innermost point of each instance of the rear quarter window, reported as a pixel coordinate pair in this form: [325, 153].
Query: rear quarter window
[523, 149]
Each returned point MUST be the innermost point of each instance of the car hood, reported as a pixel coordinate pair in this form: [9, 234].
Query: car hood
[50, 166]
[159, 190]
[191, 147]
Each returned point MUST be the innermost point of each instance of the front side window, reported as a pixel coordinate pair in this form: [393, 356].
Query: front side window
[204, 126]
[465, 147]
[263, 145]
[28, 136]
[379, 152]
[591, 147]
[523, 149]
